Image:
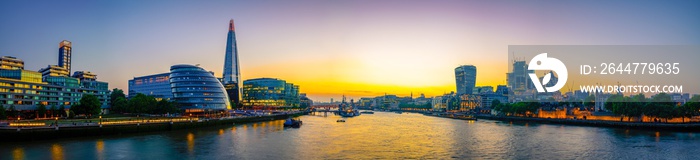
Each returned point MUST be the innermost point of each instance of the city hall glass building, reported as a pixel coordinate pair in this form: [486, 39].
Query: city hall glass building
[195, 88]
[192, 87]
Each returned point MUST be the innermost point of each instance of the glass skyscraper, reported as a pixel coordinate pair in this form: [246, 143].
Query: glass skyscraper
[466, 79]
[231, 73]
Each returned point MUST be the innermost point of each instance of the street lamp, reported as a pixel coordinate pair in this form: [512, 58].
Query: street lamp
[100, 120]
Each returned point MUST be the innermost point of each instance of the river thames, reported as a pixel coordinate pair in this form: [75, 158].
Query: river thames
[383, 135]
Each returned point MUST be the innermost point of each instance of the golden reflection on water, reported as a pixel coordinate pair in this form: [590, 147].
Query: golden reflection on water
[100, 146]
[657, 136]
[57, 151]
[221, 131]
[380, 134]
[18, 153]
[190, 142]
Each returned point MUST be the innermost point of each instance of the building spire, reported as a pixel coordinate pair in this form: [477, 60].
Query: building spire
[230, 26]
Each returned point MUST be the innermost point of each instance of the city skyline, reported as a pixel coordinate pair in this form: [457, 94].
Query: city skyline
[375, 49]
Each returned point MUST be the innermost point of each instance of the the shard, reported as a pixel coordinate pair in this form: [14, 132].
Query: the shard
[231, 70]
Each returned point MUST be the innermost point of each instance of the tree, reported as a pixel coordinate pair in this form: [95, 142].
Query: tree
[495, 103]
[13, 110]
[3, 115]
[120, 105]
[695, 98]
[53, 110]
[661, 106]
[41, 108]
[75, 108]
[62, 111]
[590, 101]
[164, 106]
[89, 105]
[615, 104]
[142, 104]
[116, 94]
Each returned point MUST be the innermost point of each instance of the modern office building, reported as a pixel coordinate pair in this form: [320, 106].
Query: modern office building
[197, 90]
[54, 70]
[304, 101]
[85, 75]
[231, 75]
[502, 90]
[466, 79]
[157, 85]
[482, 89]
[193, 88]
[519, 80]
[7, 62]
[26, 89]
[270, 93]
[65, 51]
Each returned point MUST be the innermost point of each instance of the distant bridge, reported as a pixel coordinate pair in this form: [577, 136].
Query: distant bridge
[325, 106]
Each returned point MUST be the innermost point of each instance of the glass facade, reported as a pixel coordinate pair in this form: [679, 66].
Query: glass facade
[466, 79]
[8, 62]
[25, 89]
[231, 73]
[157, 85]
[270, 92]
[28, 90]
[195, 88]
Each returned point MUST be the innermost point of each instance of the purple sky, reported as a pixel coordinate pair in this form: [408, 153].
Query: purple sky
[330, 48]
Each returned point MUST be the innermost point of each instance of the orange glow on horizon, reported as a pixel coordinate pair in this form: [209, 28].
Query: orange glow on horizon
[355, 78]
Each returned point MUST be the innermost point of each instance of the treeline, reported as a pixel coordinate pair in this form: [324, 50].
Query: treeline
[141, 104]
[660, 106]
[415, 106]
[518, 108]
[89, 105]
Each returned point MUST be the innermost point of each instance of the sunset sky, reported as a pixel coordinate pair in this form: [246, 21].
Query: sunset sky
[330, 48]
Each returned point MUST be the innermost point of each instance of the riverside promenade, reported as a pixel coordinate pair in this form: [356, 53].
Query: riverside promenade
[683, 127]
[131, 126]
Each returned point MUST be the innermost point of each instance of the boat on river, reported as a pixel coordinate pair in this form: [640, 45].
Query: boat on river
[347, 109]
[294, 123]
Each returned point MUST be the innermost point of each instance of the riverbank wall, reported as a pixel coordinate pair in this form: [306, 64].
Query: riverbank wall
[43, 133]
[682, 127]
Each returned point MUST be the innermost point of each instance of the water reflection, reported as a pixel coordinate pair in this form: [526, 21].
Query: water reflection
[100, 146]
[18, 153]
[380, 136]
[57, 151]
[657, 136]
[190, 143]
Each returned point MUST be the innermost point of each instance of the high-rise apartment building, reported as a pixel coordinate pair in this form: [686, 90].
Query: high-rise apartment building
[65, 50]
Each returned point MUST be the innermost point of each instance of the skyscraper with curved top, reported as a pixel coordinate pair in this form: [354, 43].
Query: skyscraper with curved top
[231, 74]
[465, 76]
